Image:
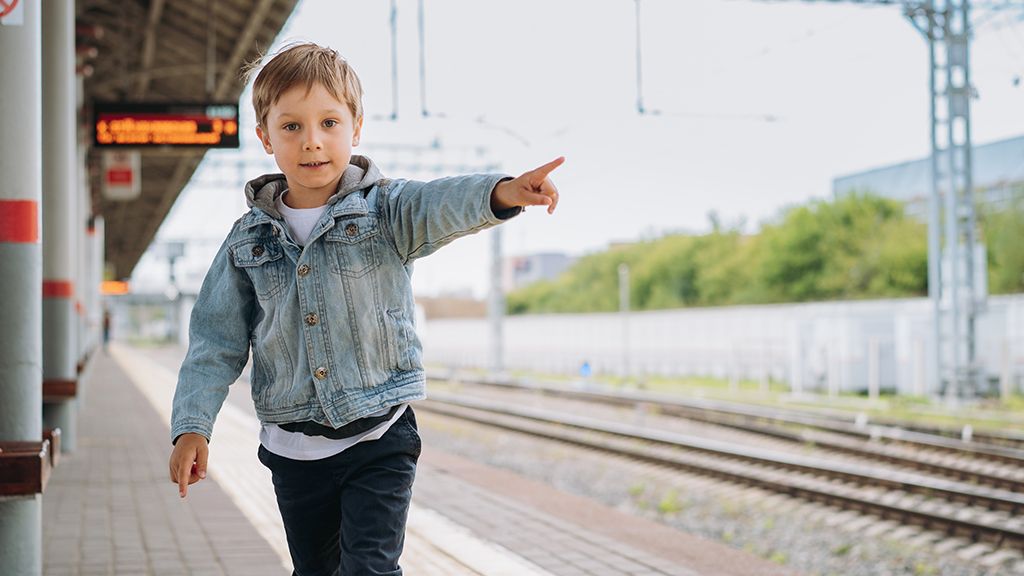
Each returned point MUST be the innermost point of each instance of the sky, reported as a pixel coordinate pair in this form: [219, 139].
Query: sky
[751, 107]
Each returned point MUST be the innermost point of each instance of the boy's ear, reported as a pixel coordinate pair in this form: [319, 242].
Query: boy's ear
[265, 139]
[357, 131]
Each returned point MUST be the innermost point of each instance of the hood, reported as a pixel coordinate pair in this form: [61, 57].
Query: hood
[360, 175]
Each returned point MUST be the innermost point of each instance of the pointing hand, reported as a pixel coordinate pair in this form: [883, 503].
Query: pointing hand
[532, 188]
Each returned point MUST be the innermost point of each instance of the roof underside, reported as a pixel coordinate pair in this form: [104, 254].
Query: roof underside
[160, 51]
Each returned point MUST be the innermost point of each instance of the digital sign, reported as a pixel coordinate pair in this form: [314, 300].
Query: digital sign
[177, 124]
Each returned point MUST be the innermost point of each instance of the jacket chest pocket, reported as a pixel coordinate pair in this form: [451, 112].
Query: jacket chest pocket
[261, 258]
[351, 246]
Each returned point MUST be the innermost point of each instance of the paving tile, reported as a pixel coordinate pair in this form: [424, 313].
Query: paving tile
[109, 507]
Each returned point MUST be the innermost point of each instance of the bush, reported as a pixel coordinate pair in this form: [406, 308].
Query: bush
[854, 247]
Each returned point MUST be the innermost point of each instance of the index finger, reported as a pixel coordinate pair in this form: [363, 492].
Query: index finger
[184, 471]
[542, 172]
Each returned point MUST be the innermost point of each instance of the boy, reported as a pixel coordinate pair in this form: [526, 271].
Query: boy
[315, 278]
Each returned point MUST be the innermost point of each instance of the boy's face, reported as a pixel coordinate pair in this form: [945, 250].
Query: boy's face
[311, 136]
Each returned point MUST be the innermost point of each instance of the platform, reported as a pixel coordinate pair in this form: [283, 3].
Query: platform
[111, 509]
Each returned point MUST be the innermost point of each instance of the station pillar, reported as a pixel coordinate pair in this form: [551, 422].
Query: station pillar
[21, 272]
[62, 223]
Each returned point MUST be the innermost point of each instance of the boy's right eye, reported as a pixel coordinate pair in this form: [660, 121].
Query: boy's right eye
[291, 127]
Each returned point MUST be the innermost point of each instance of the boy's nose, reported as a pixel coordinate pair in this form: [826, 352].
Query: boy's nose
[313, 141]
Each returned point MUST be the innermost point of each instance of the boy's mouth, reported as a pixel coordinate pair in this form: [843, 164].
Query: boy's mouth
[313, 164]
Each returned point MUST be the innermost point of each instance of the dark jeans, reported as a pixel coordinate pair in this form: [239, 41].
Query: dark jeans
[345, 515]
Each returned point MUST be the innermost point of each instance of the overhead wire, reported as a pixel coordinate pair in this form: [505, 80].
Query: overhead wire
[641, 104]
[1016, 52]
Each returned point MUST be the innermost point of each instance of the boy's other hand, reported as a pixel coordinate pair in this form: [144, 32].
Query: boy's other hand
[188, 461]
[533, 188]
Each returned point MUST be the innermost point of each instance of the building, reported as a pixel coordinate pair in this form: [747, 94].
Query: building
[519, 271]
[998, 171]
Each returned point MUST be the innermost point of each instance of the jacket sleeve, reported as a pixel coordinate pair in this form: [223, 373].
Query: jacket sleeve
[421, 217]
[218, 349]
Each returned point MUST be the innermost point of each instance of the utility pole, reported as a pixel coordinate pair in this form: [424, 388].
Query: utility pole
[496, 306]
[952, 276]
[624, 311]
[954, 287]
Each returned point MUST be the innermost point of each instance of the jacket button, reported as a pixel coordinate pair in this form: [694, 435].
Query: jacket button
[311, 319]
[351, 229]
[303, 269]
[320, 373]
[257, 250]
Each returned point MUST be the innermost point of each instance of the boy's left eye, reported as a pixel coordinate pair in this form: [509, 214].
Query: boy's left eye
[330, 123]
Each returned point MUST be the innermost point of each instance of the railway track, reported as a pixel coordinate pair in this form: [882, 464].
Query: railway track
[973, 462]
[973, 511]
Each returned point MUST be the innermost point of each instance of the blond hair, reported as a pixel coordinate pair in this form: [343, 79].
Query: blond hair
[303, 64]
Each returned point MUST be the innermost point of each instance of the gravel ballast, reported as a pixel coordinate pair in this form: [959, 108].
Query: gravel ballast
[809, 538]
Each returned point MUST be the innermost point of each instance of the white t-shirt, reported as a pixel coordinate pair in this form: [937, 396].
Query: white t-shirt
[300, 221]
[296, 445]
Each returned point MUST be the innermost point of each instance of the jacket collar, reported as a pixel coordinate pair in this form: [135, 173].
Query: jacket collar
[260, 193]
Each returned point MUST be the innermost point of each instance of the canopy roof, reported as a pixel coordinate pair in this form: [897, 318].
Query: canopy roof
[160, 51]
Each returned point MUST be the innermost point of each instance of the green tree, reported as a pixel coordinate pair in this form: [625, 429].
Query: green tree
[1004, 236]
[841, 249]
[857, 246]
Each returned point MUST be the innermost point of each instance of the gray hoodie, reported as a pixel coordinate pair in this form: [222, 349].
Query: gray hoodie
[360, 174]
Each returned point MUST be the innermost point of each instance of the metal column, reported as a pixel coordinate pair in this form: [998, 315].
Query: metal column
[496, 305]
[496, 296]
[972, 302]
[95, 304]
[21, 273]
[90, 285]
[952, 284]
[934, 232]
[83, 273]
[624, 312]
[60, 216]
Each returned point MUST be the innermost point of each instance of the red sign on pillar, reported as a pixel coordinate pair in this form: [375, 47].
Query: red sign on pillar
[119, 177]
[121, 174]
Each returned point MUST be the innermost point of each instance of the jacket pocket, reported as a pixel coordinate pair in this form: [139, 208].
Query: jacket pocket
[400, 340]
[351, 246]
[260, 374]
[261, 260]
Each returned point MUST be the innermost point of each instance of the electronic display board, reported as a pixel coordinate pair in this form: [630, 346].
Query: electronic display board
[130, 124]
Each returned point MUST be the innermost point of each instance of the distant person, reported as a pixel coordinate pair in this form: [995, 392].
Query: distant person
[585, 369]
[106, 327]
[585, 374]
[315, 278]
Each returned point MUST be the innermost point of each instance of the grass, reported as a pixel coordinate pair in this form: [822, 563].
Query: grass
[842, 550]
[670, 503]
[637, 490]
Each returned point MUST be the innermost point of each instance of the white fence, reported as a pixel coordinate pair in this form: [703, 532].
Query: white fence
[831, 346]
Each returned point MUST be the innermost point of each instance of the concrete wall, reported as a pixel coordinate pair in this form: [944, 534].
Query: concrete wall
[814, 346]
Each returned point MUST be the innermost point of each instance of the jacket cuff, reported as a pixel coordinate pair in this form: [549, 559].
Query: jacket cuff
[501, 215]
[191, 425]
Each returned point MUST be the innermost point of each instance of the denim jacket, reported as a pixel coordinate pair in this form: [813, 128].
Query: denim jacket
[331, 324]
